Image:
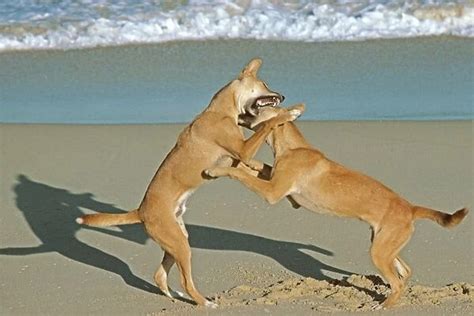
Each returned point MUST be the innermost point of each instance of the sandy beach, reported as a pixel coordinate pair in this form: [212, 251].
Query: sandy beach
[93, 95]
[251, 257]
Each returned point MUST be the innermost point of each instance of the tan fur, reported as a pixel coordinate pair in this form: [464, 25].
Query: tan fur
[308, 178]
[212, 138]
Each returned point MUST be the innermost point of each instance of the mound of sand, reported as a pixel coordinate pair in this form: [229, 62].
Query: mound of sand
[355, 293]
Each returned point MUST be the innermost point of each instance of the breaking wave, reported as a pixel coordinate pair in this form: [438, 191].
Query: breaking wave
[64, 24]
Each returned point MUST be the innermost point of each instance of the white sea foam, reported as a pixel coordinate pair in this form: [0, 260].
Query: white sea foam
[32, 24]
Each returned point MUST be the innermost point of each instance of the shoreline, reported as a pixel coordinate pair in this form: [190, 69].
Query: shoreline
[437, 38]
[172, 124]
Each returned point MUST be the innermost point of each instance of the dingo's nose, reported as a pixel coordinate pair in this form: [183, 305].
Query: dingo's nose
[282, 98]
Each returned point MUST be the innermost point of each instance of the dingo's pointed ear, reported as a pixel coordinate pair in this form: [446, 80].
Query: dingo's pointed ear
[252, 68]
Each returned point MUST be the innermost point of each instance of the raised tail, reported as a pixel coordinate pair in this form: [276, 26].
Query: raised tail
[106, 219]
[444, 219]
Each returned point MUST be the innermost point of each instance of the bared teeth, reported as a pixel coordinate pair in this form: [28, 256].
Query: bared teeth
[270, 101]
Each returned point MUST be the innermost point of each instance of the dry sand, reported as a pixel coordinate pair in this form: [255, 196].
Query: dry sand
[251, 257]
[355, 293]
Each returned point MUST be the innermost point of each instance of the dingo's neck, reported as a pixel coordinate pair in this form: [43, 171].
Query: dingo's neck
[286, 137]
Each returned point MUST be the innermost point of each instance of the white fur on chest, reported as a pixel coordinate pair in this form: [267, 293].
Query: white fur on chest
[181, 205]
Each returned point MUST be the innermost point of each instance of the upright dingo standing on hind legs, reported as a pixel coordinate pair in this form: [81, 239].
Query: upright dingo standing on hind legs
[213, 138]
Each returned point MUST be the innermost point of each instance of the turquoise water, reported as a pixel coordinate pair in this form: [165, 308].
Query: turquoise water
[421, 79]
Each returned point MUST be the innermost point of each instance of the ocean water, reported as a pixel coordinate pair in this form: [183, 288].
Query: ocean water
[319, 52]
[64, 24]
[396, 79]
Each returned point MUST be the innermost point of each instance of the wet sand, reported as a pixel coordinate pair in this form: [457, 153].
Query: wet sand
[251, 257]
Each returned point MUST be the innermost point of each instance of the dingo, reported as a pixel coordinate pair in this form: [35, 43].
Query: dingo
[308, 178]
[214, 137]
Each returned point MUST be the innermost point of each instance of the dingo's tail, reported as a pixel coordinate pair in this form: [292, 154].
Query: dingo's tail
[444, 219]
[105, 219]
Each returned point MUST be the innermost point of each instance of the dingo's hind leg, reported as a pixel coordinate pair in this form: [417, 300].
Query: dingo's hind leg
[386, 245]
[170, 235]
[161, 277]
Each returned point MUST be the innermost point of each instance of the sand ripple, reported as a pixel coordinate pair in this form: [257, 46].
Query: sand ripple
[355, 293]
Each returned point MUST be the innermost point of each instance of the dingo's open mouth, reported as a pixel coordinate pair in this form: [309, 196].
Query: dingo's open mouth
[267, 101]
[264, 101]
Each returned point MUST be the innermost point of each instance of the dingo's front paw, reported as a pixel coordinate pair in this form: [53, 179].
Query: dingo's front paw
[291, 114]
[211, 173]
[216, 172]
[294, 114]
[298, 106]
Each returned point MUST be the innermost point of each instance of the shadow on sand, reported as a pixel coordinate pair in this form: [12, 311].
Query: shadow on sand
[51, 212]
